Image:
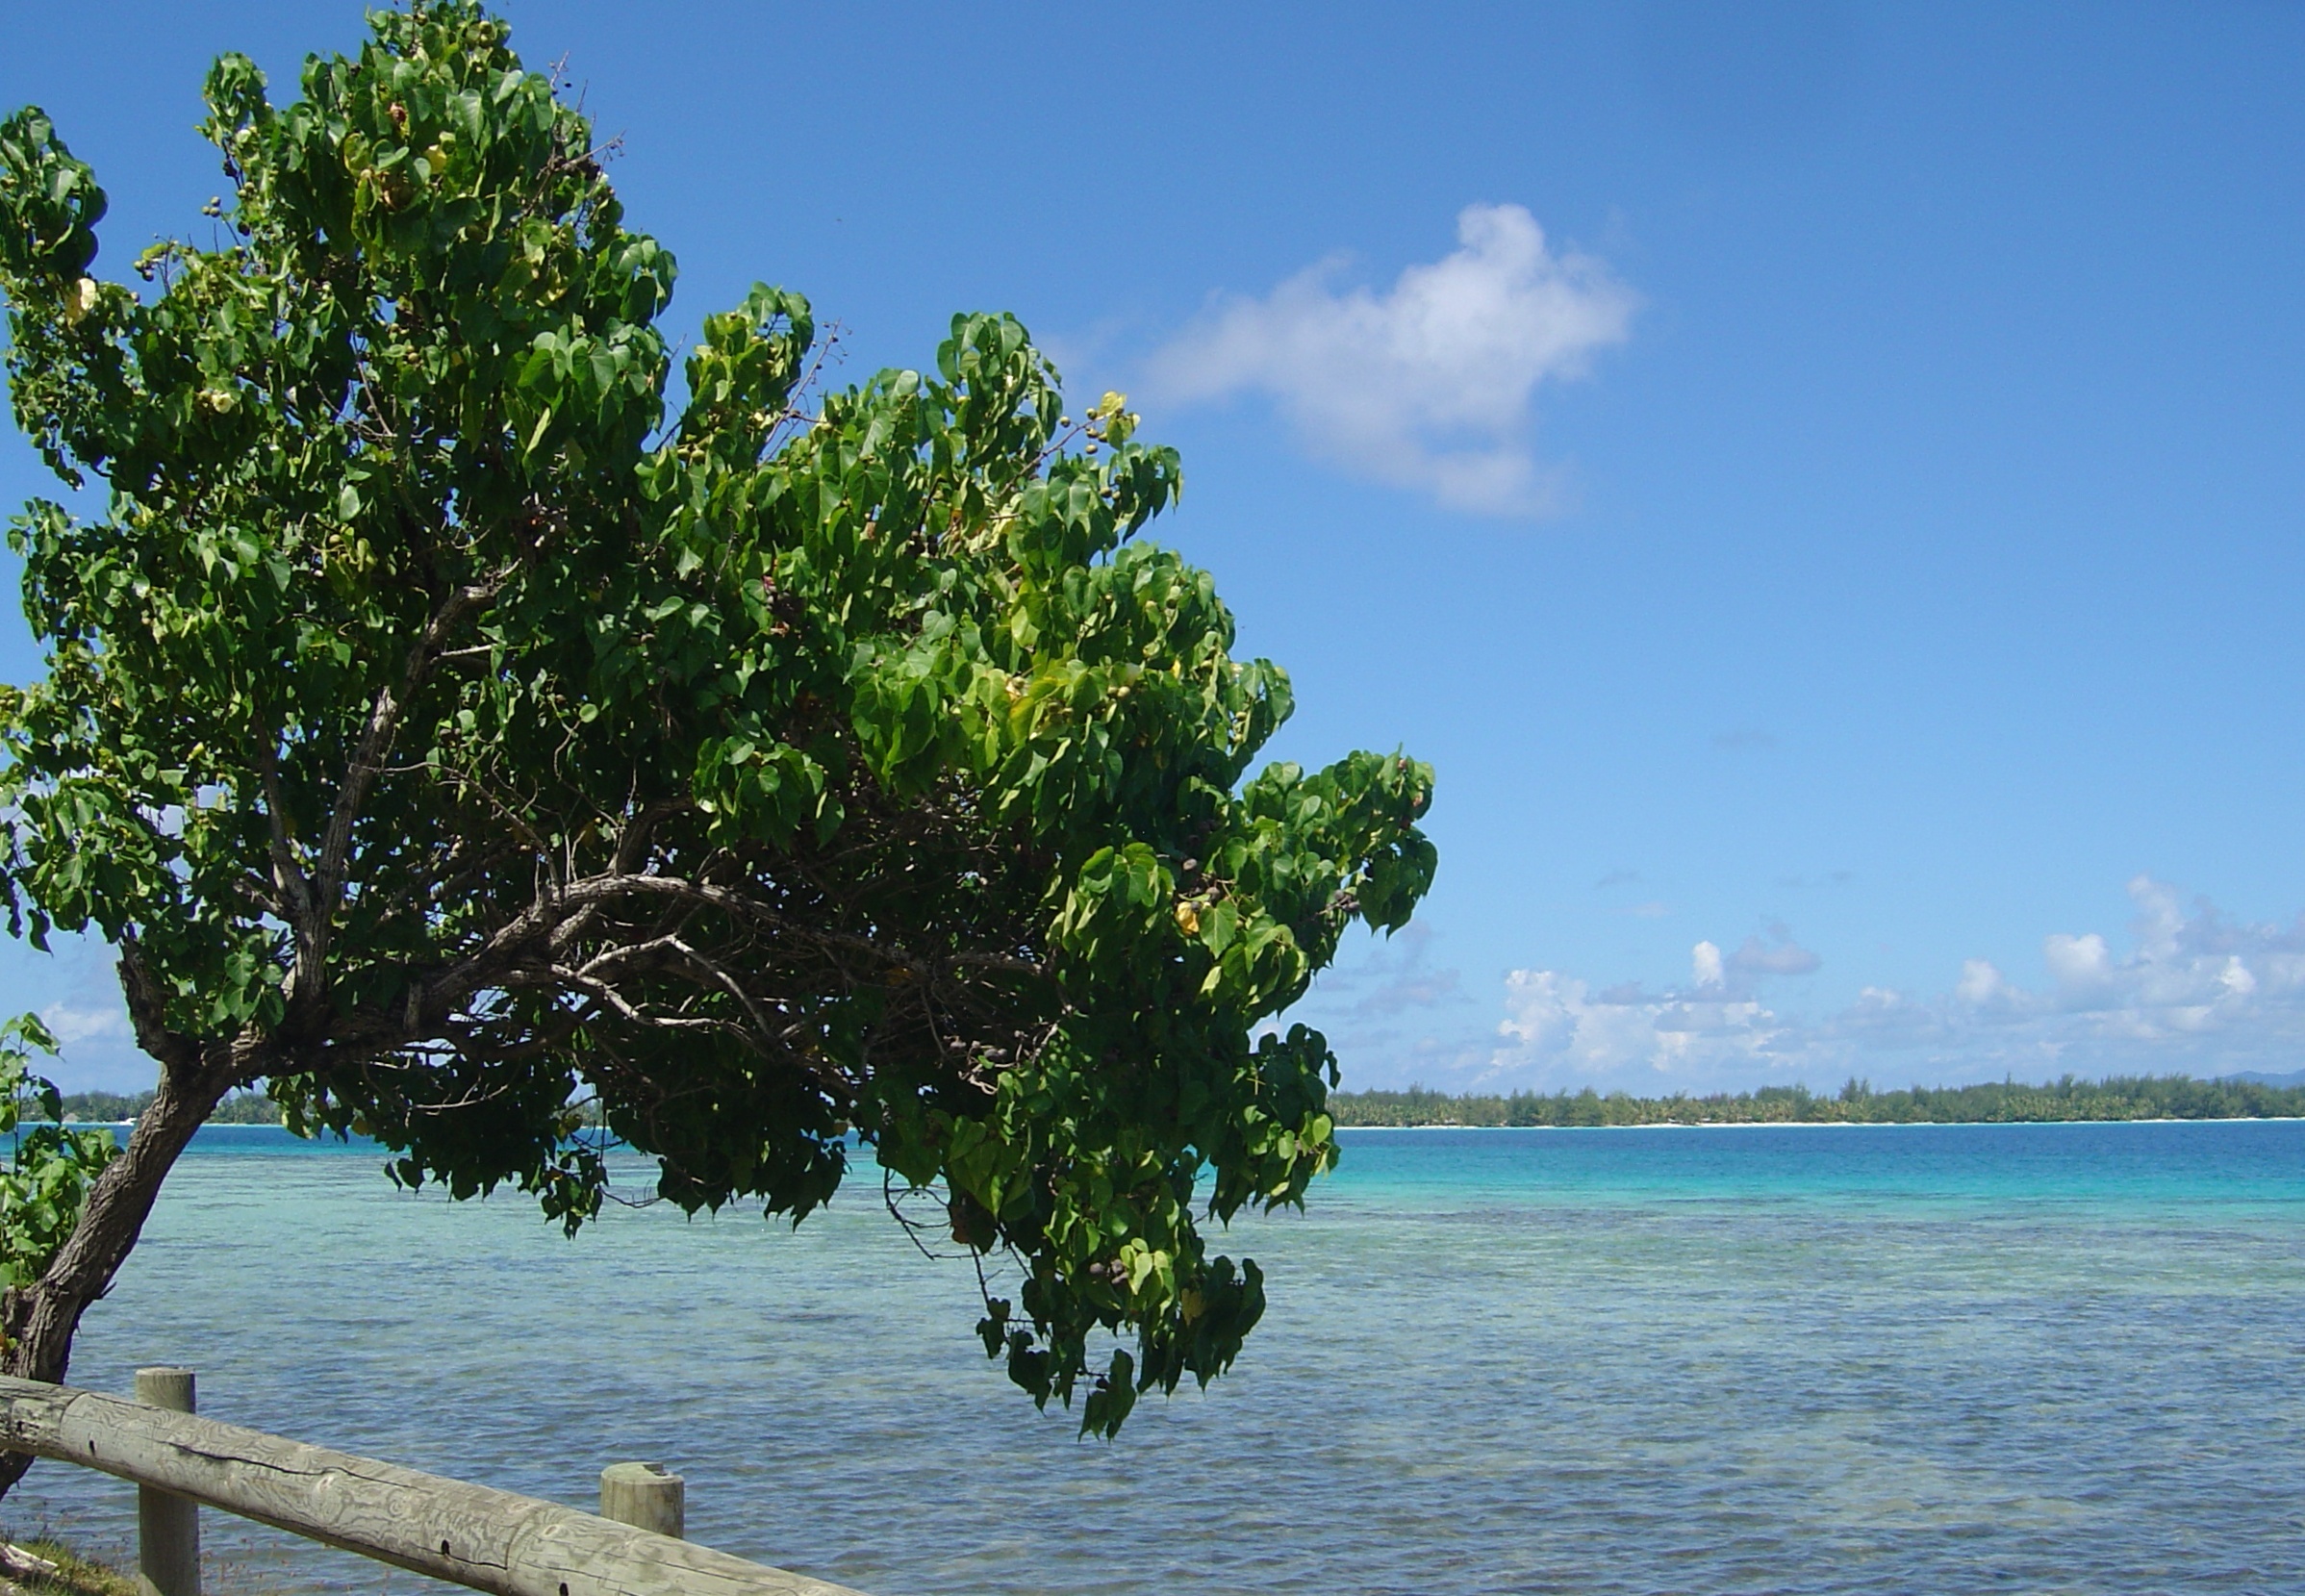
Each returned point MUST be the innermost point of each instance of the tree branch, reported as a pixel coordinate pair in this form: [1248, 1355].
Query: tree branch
[383, 723]
[147, 1010]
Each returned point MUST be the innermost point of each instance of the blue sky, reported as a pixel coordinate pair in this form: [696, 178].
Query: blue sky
[1821, 483]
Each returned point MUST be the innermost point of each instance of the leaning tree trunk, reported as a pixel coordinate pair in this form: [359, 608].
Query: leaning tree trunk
[38, 1320]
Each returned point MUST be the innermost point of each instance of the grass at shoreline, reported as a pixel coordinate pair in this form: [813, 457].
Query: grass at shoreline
[1998, 1103]
[75, 1575]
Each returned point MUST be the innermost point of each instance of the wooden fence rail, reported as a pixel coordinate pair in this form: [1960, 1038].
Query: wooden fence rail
[487, 1540]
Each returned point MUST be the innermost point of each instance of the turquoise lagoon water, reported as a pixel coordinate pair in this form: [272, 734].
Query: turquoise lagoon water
[1882, 1359]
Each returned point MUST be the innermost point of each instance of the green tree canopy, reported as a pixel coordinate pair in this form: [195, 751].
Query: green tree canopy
[449, 731]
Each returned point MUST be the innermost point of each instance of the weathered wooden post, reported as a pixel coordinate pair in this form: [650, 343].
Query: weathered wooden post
[645, 1495]
[167, 1527]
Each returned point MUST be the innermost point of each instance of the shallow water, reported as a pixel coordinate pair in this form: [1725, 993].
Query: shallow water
[1882, 1359]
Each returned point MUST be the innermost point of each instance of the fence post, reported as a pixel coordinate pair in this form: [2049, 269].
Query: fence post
[645, 1495]
[167, 1548]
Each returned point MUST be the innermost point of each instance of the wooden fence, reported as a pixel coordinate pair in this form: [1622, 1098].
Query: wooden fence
[487, 1540]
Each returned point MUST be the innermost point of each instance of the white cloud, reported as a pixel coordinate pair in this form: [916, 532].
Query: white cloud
[2081, 967]
[1557, 1029]
[2196, 992]
[1428, 385]
[72, 1022]
[1982, 985]
[1705, 964]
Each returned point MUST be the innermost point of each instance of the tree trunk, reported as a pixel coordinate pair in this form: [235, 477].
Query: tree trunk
[38, 1320]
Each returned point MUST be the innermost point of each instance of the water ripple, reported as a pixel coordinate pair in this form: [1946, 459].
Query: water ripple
[1666, 1366]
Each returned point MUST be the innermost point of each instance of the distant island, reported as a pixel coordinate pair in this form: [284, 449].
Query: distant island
[1994, 1102]
[112, 1107]
[1998, 1103]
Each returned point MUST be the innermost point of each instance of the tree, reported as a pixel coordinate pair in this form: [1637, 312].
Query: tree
[450, 732]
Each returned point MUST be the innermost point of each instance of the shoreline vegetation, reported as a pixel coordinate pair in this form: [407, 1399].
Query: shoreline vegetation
[119, 1107]
[1994, 1102]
